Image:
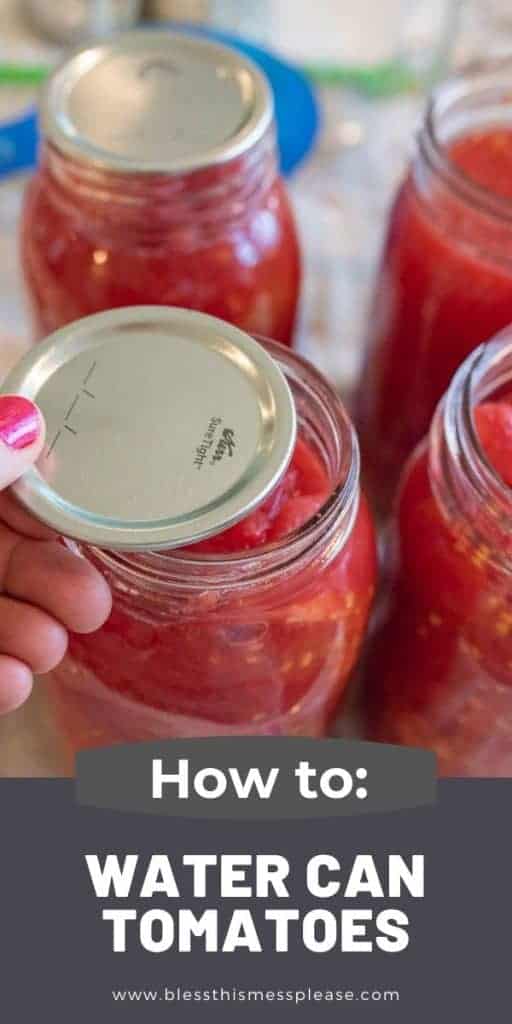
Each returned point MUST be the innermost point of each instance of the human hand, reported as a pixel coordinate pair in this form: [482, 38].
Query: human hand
[45, 590]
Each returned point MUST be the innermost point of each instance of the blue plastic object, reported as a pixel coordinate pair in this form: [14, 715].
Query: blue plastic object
[18, 142]
[297, 112]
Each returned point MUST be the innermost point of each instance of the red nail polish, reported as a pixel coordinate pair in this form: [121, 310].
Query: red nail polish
[20, 422]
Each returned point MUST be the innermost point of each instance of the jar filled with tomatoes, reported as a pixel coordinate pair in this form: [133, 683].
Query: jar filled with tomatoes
[158, 183]
[440, 671]
[226, 516]
[445, 281]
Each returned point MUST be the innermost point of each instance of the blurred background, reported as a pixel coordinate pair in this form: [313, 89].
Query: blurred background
[369, 63]
[350, 78]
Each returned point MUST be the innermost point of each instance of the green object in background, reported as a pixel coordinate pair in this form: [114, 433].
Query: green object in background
[382, 80]
[23, 74]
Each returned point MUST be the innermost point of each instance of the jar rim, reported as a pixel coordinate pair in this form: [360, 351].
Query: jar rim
[481, 375]
[167, 570]
[482, 77]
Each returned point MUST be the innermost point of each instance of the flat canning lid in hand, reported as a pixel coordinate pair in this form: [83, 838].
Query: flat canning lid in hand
[164, 426]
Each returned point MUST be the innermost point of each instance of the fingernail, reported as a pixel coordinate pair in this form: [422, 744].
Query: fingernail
[20, 422]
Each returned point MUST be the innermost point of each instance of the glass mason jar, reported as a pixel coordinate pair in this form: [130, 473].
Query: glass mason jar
[440, 671]
[257, 642]
[178, 202]
[445, 281]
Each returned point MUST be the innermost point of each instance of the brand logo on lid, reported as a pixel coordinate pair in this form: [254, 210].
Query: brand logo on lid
[204, 448]
[226, 445]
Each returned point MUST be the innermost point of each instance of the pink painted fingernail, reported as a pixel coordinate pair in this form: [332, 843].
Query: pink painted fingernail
[20, 422]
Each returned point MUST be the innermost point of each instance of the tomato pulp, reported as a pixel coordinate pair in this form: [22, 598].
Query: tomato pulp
[273, 657]
[83, 254]
[440, 673]
[445, 286]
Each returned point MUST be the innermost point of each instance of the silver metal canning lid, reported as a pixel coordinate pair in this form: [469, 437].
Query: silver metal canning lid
[164, 427]
[157, 102]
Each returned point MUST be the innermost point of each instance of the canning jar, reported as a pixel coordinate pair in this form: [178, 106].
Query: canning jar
[445, 281]
[440, 671]
[158, 184]
[254, 622]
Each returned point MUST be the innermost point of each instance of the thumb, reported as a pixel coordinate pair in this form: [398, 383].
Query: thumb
[22, 432]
